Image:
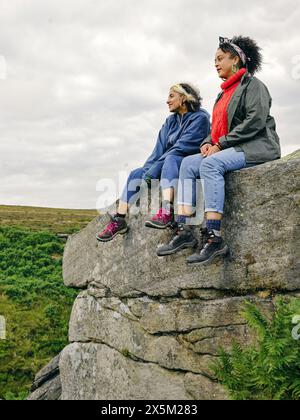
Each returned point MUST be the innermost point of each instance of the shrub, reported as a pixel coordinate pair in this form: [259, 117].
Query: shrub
[270, 370]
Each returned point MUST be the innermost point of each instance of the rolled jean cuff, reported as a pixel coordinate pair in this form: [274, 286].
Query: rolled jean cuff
[214, 211]
[186, 204]
[166, 185]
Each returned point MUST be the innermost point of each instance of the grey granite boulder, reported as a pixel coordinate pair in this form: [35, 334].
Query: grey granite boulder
[150, 328]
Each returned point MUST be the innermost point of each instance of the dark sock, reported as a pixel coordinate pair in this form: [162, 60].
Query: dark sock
[121, 215]
[168, 205]
[181, 220]
[213, 225]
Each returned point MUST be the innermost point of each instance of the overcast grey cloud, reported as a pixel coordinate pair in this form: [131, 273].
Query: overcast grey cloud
[83, 84]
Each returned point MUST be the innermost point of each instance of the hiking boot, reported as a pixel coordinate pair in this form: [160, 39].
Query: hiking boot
[162, 220]
[117, 226]
[212, 246]
[184, 238]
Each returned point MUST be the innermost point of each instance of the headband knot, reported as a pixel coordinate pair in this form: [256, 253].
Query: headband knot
[236, 48]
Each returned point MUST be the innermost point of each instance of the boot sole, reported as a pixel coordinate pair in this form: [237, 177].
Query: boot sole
[223, 252]
[153, 226]
[121, 232]
[179, 248]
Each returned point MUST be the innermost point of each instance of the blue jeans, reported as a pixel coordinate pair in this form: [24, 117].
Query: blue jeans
[211, 170]
[169, 178]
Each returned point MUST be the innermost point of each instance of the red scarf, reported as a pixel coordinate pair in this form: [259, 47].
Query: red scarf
[220, 115]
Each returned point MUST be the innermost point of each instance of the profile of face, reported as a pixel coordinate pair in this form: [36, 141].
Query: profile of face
[224, 64]
[175, 101]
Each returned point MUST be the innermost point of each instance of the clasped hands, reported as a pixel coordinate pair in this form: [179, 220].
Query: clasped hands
[208, 150]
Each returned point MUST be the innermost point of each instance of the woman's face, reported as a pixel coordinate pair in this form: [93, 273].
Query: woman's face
[175, 101]
[224, 63]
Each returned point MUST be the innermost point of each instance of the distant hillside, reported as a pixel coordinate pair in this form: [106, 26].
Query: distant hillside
[33, 300]
[39, 218]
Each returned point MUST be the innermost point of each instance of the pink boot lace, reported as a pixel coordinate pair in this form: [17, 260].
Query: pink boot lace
[111, 228]
[163, 216]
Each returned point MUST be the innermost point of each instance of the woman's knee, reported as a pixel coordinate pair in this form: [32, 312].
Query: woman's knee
[190, 166]
[171, 162]
[136, 174]
[169, 159]
[171, 167]
[210, 164]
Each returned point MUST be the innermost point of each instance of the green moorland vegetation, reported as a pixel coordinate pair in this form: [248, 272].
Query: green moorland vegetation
[45, 219]
[33, 299]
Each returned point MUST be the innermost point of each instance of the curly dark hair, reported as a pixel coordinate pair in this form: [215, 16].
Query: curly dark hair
[196, 104]
[250, 48]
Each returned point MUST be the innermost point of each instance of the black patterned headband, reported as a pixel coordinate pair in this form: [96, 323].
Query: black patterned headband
[237, 49]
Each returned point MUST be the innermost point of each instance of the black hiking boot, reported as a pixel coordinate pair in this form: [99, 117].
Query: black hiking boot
[184, 238]
[212, 246]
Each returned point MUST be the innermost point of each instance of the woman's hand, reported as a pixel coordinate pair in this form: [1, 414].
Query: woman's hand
[213, 150]
[204, 149]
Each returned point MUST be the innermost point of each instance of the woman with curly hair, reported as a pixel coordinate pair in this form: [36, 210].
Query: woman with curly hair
[243, 134]
[180, 136]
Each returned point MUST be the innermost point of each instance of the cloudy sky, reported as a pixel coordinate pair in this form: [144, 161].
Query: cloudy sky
[83, 84]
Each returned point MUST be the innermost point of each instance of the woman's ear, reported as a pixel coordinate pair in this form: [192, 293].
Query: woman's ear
[236, 60]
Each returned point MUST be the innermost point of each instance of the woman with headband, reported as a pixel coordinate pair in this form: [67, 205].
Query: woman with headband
[180, 136]
[243, 134]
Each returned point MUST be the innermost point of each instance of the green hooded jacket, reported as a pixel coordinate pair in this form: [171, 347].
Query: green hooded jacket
[251, 127]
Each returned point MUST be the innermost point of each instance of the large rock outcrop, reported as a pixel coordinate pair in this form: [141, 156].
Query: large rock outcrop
[149, 328]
